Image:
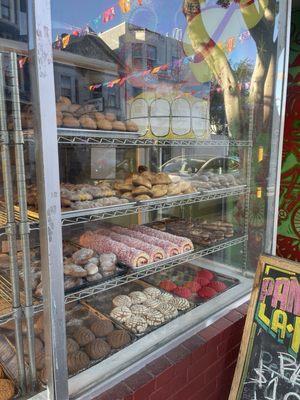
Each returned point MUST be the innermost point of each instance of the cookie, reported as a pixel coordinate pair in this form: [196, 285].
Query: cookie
[122, 300]
[118, 338]
[7, 389]
[180, 303]
[154, 318]
[168, 310]
[77, 361]
[120, 313]
[72, 346]
[102, 328]
[97, 349]
[152, 292]
[136, 324]
[139, 309]
[137, 297]
[83, 336]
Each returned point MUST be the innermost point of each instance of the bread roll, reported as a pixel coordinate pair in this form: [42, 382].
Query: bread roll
[141, 190]
[147, 175]
[77, 361]
[123, 187]
[83, 336]
[99, 348]
[104, 124]
[110, 117]
[118, 126]
[160, 178]
[142, 181]
[142, 197]
[64, 100]
[71, 122]
[99, 116]
[174, 189]
[159, 190]
[87, 122]
[131, 126]
[74, 107]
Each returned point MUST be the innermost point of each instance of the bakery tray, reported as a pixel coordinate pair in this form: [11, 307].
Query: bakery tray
[83, 315]
[104, 305]
[6, 361]
[185, 273]
[98, 133]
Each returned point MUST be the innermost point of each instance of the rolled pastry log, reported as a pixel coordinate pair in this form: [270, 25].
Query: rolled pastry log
[171, 249]
[155, 253]
[184, 243]
[103, 244]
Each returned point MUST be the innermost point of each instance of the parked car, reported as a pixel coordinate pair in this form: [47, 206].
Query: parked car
[194, 167]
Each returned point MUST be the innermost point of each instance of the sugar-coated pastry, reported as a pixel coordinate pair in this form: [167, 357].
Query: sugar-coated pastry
[102, 328]
[122, 300]
[152, 292]
[166, 297]
[168, 310]
[152, 303]
[139, 309]
[83, 336]
[154, 318]
[118, 338]
[97, 349]
[137, 297]
[182, 291]
[193, 286]
[136, 324]
[180, 303]
[7, 389]
[121, 313]
[205, 273]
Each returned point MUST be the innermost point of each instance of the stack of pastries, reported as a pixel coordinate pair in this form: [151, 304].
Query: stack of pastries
[70, 115]
[148, 185]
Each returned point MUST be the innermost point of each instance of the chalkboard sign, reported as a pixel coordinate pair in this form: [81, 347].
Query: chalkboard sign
[268, 366]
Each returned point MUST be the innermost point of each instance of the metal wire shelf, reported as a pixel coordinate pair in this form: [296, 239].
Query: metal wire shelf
[6, 310]
[32, 216]
[83, 216]
[108, 138]
[149, 270]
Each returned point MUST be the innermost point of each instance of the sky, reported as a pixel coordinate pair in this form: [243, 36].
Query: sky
[158, 15]
[153, 14]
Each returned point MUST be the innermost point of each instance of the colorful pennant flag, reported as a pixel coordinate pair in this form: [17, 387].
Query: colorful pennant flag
[65, 41]
[125, 6]
[108, 15]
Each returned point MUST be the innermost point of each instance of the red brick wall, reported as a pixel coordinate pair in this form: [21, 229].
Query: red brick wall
[201, 368]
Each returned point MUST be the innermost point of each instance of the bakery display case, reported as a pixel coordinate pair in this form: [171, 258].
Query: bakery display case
[138, 182]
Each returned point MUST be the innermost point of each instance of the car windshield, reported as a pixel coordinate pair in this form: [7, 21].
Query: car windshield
[183, 166]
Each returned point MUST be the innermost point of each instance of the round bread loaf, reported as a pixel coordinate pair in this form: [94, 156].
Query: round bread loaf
[77, 361]
[87, 122]
[118, 126]
[99, 348]
[166, 297]
[118, 338]
[83, 336]
[71, 122]
[72, 345]
[7, 389]
[102, 327]
[104, 124]
[110, 117]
